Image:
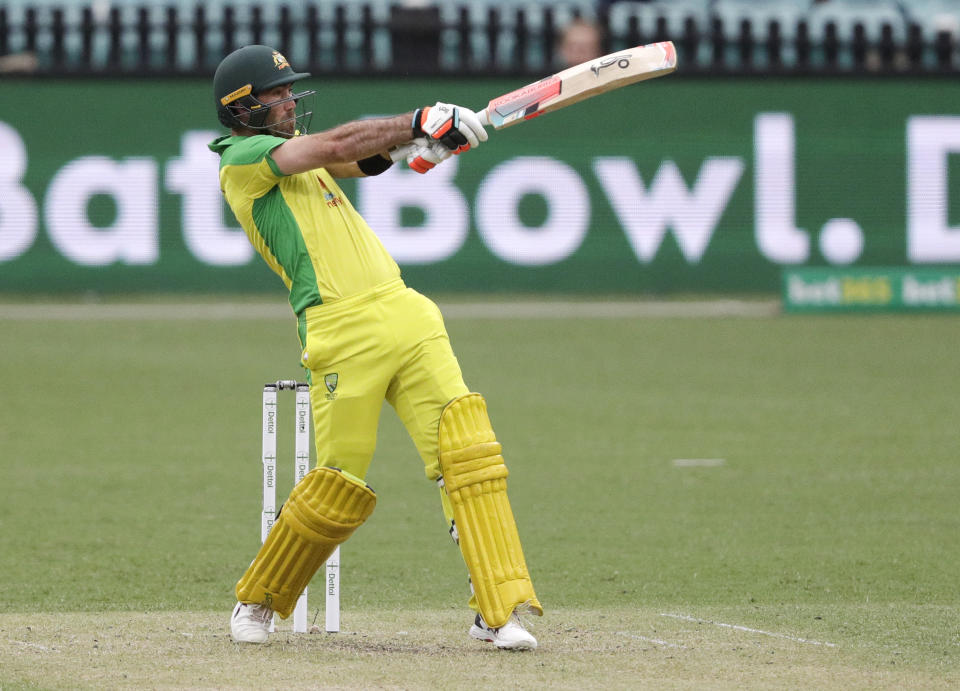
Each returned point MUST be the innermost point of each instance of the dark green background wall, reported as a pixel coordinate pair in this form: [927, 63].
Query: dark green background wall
[850, 156]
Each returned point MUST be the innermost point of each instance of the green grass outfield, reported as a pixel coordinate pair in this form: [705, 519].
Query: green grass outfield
[705, 502]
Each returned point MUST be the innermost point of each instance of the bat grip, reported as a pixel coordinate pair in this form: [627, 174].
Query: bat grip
[484, 118]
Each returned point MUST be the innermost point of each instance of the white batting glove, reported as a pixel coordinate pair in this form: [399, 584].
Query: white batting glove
[421, 154]
[456, 127]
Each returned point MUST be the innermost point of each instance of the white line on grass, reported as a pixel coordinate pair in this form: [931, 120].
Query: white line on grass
[523, 309]
[506, 309]
[655, 641]
[685, 617]
[698, 462]
[35, 646]
[164, 311]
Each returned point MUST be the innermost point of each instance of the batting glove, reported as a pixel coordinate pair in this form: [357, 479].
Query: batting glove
[456, 127]
[421, 154]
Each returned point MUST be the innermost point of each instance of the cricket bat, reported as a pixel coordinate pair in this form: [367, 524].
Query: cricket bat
[581, 82]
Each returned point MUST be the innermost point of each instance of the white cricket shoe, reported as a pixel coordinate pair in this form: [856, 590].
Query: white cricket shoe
[510, 636]
[250, 623]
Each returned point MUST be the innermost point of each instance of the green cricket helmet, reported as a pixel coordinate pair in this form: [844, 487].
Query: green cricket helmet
[247, 72]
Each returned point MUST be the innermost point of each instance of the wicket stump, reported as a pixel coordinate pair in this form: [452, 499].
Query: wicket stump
[301, 467]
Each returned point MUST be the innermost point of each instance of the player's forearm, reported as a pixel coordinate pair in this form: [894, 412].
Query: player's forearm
[345, 143]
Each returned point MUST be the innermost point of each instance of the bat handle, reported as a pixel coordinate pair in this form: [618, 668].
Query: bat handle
[484, 118]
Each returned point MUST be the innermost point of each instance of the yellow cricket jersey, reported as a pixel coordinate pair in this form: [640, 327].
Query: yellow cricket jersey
[302, 225]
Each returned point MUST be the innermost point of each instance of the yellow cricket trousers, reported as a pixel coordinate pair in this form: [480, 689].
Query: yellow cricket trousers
[387, 343]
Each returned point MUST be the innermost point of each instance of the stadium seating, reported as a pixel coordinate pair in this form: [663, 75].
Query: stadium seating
[934, 17]
[631, 23]
[786, 13]
[759, 33]
[671, 13]
[499, 36]
[846, 14]
[847, 32]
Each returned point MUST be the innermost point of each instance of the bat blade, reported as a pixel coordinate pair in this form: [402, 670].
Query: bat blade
[581, 82]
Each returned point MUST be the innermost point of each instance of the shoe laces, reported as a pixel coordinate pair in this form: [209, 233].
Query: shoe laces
[260, 613]
[522, 616]
[515, 617]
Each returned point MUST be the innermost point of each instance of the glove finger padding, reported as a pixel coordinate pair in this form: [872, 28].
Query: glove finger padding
[428, 156]
[456, 127]
[470, 126]
[421, 154]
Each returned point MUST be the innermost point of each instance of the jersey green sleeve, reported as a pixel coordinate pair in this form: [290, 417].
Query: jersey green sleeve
[253, 170]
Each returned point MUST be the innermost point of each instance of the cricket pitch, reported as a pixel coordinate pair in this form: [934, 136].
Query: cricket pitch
[430, 649]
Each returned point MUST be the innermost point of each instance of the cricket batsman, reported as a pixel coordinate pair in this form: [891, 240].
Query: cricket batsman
[365, 337]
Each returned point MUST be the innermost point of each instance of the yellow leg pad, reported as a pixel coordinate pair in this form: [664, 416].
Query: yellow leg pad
[475, 479]
[323, 510]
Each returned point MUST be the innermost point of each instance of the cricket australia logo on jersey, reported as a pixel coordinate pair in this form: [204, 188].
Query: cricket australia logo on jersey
[329, 197]
[330, 381]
